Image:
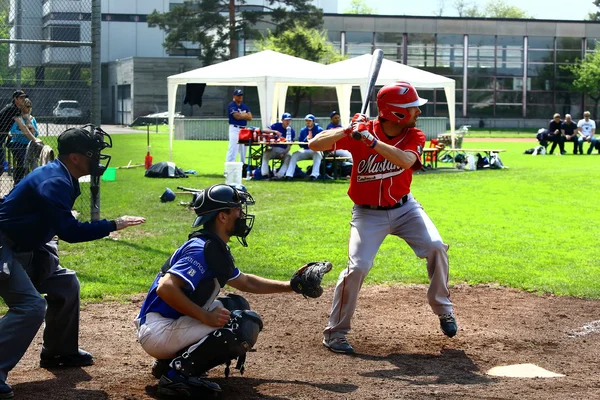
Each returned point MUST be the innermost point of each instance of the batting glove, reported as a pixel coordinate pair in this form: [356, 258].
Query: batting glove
[357, 118]
[360, 129]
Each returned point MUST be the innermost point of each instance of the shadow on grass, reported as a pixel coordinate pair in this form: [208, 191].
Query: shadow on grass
[247, 388]
[63, 386]
[448, 367]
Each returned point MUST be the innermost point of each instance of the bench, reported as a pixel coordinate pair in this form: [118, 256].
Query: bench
[335, 163]
[436, 154]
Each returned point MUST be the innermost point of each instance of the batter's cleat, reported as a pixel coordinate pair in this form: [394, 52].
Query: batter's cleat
[160, 367]
[448, 324]
[6, 391]
[338, 345]
[81, 359]
[175, 384]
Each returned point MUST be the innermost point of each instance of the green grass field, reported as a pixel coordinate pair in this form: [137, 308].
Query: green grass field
[532, 226]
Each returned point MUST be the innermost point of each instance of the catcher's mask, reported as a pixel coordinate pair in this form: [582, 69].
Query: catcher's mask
[210, 201]
[88, 140]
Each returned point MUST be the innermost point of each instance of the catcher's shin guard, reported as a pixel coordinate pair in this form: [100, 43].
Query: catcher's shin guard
[223, 345]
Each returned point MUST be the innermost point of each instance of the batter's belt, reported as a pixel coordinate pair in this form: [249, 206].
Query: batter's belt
[402, 201]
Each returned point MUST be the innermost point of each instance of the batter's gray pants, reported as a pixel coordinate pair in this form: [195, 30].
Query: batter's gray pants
[27, 309]
[368, 229]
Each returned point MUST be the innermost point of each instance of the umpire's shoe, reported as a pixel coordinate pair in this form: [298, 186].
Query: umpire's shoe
[338, 345]
[448, 324]
[175, 384]
[80, 359]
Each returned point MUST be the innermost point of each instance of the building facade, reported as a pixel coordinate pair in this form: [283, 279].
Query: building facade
[507, 72]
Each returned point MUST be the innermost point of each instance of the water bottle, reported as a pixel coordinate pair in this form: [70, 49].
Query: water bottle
[288, 134]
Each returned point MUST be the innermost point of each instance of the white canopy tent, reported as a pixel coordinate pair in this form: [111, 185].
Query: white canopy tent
[272, 73]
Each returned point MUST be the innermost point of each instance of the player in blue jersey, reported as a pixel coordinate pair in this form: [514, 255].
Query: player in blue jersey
[280, 151]
[182, 323]
[239, 115]
[334, 117]
[311, 130]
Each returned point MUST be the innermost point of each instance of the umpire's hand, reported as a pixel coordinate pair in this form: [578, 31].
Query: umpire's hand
[127, 221]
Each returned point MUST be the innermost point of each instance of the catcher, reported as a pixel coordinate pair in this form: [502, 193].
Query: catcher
[183, 324]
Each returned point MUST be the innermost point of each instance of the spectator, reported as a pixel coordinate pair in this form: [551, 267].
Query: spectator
[8, 115]
[308, 132]
[37, 210]
[554, 134]
[586, 128]
[239, 115]
[569, 130]
[334, 117]
[279, 151]
[20, 139]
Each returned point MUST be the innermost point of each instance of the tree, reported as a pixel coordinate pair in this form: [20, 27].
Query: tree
[218, 25]
[587, 75]
[493, 9]
[499, 9]
[309, 44]
[596, 15]
[359, 7]
[439, 11]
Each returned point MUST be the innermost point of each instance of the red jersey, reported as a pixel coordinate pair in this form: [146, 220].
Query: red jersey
[375, 181]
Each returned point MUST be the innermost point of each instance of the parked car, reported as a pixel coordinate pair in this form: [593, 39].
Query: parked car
[68, 109]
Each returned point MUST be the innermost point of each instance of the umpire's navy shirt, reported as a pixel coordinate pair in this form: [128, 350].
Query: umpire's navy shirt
[234, 108]
[39, 207]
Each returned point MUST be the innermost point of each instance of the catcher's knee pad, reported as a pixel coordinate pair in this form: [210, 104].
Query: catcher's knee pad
[223, 345]
[234, 302]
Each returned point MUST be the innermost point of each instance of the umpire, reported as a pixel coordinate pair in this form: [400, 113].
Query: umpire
[30, 216]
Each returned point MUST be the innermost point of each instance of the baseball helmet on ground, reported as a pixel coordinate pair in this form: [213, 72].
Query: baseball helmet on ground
[393, 100]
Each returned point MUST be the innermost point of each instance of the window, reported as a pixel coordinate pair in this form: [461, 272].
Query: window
[68, 33]
[124, 17]
[66, 16]
[391, 44]
[358, 43]
[482, 54]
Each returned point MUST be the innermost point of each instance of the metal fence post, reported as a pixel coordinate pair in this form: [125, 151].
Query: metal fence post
[96, 100]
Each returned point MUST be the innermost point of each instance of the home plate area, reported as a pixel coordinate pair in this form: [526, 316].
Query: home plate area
[401, 353]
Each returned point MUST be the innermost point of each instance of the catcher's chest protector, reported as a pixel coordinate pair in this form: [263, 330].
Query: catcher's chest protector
[223, 345]
[220, 262]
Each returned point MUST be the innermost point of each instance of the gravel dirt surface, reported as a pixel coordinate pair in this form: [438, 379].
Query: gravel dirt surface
[401, 352]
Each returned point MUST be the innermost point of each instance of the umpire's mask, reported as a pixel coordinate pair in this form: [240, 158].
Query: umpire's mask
[88, 140]
[210, 201]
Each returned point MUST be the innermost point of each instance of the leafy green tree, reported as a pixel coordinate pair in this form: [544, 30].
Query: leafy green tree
[309, 44]
[587, 75]
[493, 9]
[6, 74]
[499, 9]
[218, 25]
[595, 16]
[359, 7]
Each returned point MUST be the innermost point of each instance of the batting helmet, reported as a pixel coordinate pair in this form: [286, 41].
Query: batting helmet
[393, 100]
[210, 201]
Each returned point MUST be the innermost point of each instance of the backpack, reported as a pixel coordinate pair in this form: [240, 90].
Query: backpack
[482, 162]
[165, 170]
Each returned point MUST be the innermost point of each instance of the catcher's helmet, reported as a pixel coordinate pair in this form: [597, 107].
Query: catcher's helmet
[210, 201]
[393, 100]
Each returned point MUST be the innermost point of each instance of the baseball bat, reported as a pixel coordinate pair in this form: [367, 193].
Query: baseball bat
[376, 61]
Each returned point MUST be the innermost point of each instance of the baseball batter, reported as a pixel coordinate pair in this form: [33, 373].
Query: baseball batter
[384, 161]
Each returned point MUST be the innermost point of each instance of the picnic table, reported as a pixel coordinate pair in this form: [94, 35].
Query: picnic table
[435, 154]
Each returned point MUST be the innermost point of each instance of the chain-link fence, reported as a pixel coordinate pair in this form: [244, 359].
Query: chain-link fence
[46, 51]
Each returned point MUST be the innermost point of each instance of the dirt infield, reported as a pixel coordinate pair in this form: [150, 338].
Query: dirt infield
[401, 352]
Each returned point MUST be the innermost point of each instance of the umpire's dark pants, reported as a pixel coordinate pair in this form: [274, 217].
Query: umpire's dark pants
[33, 273]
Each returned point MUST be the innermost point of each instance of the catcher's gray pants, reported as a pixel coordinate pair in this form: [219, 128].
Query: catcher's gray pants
[27, 309]
[368, 229]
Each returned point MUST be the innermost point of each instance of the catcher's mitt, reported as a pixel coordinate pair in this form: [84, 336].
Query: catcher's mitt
[307, 280]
